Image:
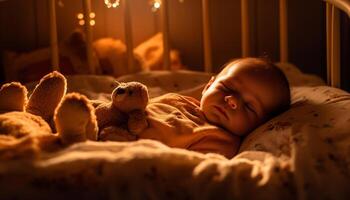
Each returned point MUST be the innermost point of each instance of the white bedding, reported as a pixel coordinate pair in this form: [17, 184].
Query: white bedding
[301, 154]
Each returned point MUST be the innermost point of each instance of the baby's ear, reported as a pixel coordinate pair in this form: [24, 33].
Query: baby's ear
[212, 79]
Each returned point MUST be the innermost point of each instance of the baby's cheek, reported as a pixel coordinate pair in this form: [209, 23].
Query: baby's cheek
[240, 124]
[250, 123]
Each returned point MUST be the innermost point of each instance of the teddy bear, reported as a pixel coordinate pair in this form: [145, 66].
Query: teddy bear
[28, 126]
[124, 117]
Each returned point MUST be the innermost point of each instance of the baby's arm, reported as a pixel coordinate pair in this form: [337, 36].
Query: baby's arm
[115, 133]
[228, 148]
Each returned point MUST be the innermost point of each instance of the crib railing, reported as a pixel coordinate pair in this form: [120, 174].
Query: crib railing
[333, 38]
[333, 34]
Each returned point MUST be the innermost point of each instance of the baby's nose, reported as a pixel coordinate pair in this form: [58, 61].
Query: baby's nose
[232, 101]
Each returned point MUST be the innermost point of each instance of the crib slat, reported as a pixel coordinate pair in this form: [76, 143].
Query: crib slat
[53, 35]
[283, 10]
[165, 30]
[88, 32]
[333, 45]
[329, 40]
[343, 5]
[128, 36]
[206, 37]
[335, 48]
[245, 28]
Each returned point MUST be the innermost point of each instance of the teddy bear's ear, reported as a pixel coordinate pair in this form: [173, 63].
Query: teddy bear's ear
[117, 83]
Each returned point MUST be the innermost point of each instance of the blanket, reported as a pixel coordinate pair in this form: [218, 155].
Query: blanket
[300, 154]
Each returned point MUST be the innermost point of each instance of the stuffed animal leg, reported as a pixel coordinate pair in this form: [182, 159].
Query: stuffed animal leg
[23, 130]
[13, 97]
[75, 119]
[47, 95]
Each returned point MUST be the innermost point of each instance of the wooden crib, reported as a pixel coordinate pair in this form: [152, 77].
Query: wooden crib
[301, 154]
[333, 34]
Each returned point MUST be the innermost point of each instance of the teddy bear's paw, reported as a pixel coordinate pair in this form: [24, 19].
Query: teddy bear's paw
[137, 121]
[47, 95]
[75, 119]
[13, 97]
[114, 133]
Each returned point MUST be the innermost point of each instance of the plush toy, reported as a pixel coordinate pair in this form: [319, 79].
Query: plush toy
[124, 117]
[27, 126]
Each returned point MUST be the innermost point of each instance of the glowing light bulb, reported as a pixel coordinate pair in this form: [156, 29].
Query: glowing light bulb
[156, 5]
[80, 16]
[81, 22]
[112, 3]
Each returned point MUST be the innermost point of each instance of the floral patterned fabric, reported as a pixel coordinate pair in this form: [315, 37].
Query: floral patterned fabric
[300, 154]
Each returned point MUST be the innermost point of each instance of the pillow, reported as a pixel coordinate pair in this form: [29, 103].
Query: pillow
[31, 66]
[185, 82]
[112, 56]
[150, 53]
[297, 77]
[323, 108]
[310, 105]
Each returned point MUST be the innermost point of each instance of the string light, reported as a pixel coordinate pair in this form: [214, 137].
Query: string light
[80, 16]
[155, 4]
[92, 15]
[112, 3]
[81, 21]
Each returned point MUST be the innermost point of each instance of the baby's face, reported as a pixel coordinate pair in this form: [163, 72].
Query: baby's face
[240, 98]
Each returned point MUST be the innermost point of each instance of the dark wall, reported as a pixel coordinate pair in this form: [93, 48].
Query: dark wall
[307, 36]
[306, 32]
[24, 26]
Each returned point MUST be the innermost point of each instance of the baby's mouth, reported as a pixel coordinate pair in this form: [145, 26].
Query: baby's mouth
[222, 111]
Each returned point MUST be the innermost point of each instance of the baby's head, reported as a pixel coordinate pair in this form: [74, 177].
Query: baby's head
[246, 93]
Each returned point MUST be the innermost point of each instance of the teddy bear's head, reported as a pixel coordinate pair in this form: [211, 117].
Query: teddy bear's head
[130, 96]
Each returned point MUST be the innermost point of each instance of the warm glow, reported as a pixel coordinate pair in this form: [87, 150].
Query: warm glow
[92, 15]
[112, 3]
[156, 5]
[80, 16]
[81, 22]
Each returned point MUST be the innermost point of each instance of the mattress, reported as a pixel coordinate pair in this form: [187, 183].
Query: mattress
[301, 154]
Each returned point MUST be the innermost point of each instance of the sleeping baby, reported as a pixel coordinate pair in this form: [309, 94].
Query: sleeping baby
[246, 93]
